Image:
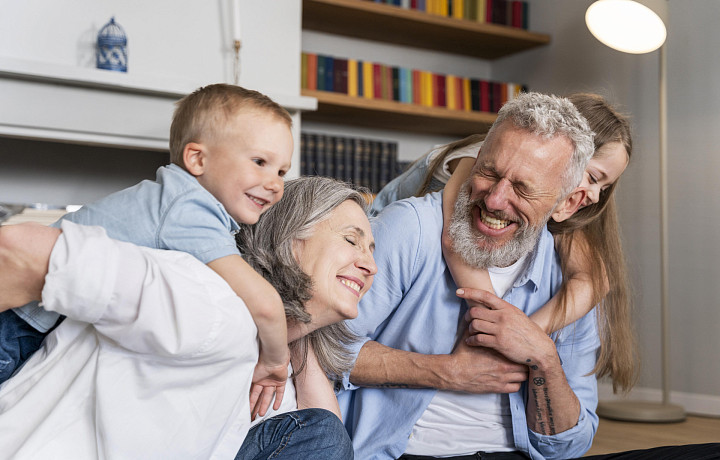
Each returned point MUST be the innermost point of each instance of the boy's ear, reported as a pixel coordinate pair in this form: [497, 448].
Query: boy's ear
[194, 157]
[569, 205]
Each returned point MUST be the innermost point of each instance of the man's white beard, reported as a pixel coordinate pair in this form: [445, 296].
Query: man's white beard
[467, 240]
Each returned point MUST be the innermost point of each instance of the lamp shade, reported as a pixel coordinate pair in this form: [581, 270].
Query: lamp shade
[629, 26]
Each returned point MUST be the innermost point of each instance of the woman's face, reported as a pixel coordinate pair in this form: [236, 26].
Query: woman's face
[338, 257]
[604, 168]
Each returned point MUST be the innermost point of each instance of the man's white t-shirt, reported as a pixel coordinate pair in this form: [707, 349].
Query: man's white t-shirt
[457, 423]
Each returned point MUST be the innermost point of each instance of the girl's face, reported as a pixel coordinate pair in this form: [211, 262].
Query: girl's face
[604, 168]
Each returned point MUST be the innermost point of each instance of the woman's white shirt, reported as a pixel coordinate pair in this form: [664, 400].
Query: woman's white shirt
[155, 359]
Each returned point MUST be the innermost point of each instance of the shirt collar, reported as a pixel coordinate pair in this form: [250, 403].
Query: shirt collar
[536, 266]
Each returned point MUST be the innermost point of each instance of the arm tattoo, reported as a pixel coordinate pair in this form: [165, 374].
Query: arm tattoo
[538, 381]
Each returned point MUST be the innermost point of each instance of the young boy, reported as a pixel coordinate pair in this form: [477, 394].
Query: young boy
[230, 148]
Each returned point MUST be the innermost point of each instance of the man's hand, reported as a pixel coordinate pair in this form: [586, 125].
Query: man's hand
[482, 370]
[24, 257]
[506, 329]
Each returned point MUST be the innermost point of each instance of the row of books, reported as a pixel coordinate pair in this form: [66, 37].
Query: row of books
[513, 13]
[365, 162]
[372, 80]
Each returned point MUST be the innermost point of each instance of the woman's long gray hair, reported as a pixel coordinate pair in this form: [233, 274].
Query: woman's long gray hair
[268, 247]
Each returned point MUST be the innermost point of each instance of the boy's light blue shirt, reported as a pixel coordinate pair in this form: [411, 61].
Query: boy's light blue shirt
[172, 212]
[412, 306]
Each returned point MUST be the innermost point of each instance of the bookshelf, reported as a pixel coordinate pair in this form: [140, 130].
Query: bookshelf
[391, 24]
[376, 113]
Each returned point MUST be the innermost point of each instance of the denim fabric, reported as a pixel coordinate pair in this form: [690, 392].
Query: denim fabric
[18, 340]
[686, 452]
[315, 434]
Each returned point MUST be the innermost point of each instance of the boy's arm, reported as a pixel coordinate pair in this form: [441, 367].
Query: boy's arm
[463, 274]
[580, 291]
[267, 310]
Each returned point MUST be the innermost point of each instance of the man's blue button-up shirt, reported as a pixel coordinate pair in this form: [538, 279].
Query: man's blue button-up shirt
[412, 306]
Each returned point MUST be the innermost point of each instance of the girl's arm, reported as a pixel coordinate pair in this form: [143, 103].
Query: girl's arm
[578, 287]
[463, 274]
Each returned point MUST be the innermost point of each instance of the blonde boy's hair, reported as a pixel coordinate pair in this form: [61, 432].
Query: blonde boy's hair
[204, 114]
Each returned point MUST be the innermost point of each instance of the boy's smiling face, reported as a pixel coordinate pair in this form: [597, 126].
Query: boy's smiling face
[243, 165]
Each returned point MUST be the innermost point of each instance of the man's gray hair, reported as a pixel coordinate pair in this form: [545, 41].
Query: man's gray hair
[549, 116]
[268, 247]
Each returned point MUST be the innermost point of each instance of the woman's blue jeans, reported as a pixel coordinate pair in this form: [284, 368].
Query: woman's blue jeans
[315, 434]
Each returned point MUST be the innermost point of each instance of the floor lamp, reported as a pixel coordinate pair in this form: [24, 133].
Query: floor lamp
[638, 27]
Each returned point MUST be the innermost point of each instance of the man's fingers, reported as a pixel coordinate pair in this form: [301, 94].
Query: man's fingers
[480, 296]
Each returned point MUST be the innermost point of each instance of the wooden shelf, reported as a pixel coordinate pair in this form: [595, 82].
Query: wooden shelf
[392, 24]
[384, 114]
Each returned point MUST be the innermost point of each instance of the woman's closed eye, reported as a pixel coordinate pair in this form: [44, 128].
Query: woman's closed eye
[351, 240]
[593, 179]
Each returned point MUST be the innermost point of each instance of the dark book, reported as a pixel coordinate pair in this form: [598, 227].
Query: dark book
[360, 79]
[485, 96]
[499, 11]
[378, 80]
[384, 166]
[525, 18]
[340, 75]
[497, 97]
[329, 73]
[338, 152]
[311, 166]
[365, 164]
[357, 161]
[321, 72]
[491, 96]
[517, 11]
[303, 154]
[374, 169]
[392, 167]
[321, 155]
[474, 94]
[395, 71]
[489, 7]
[441, 90]
[348, 151]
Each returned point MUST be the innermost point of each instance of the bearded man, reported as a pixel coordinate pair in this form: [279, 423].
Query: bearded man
[413, 393]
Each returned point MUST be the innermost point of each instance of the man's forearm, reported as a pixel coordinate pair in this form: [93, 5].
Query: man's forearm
[552, 405]
[379, 366]
[469, 369]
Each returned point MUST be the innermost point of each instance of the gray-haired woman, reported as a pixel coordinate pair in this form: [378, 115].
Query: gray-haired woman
[315, 247]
